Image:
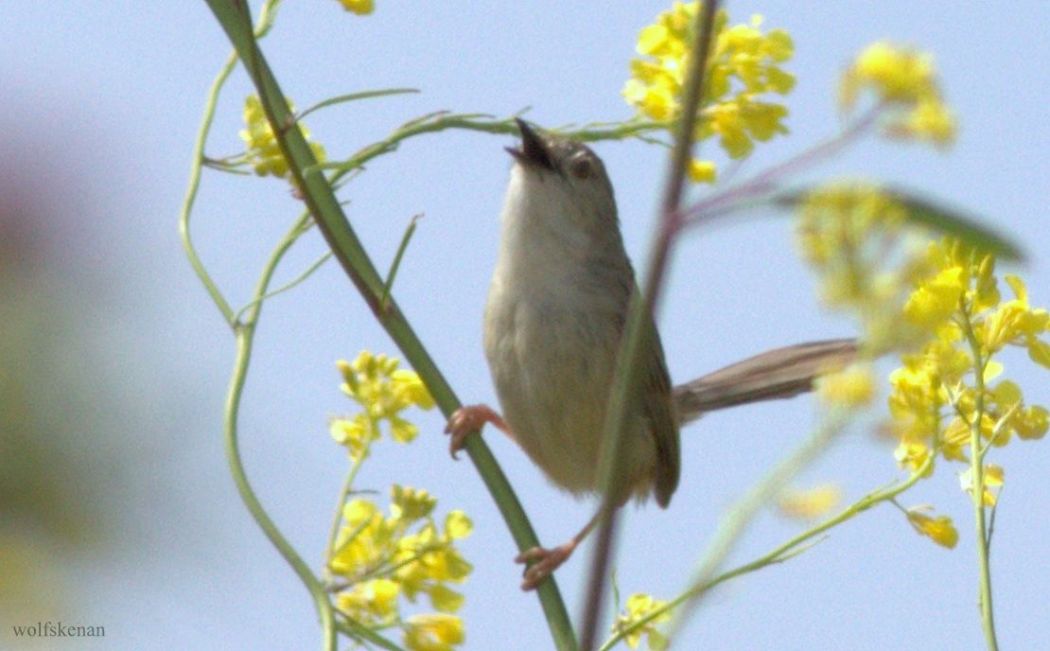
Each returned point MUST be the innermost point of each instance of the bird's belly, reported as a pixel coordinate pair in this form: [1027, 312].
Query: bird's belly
[552, 366]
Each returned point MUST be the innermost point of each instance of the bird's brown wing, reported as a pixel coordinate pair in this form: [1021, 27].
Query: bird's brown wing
[660, 413]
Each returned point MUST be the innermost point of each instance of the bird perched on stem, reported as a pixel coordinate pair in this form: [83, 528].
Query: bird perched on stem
[553, 325]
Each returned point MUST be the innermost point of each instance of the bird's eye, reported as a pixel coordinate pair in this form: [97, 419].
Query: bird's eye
[581, 167]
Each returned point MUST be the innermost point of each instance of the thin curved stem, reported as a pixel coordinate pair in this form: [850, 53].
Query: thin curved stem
[295, 282]
[344, 492]
[744, 512]
[245, 333]
[190, 197]
[780, 553]
[266, 18]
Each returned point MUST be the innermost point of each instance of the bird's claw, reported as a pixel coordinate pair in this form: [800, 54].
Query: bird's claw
[542, 563]
[459, 427]
[468, 420]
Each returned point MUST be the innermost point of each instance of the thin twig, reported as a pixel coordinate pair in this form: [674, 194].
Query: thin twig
[639, 324]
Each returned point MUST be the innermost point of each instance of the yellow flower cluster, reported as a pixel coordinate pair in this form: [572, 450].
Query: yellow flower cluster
[907, 80]
[959, 304]
[939, 303]
[383, 391]
[404, 553]
[851, 233]
[380, 558]
[359, 7]
[744, 66]
[638, 607]
[263, 153]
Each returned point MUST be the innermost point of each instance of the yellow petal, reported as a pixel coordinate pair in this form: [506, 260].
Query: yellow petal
[810, 503]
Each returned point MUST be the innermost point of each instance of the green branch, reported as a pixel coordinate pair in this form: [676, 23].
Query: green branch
[320, 199]
[778, 554]
[977, 478]
[245, 334]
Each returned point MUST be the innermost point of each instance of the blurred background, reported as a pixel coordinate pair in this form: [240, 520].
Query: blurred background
[116, 505]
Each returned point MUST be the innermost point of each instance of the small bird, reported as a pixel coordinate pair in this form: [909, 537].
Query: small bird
[553, 325]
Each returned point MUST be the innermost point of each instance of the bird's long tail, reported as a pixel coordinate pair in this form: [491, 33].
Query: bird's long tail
[775, 374]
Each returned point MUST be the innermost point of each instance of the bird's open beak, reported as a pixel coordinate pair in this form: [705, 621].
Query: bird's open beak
[533, 150]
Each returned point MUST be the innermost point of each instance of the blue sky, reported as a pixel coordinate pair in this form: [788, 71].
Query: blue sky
[102, 102]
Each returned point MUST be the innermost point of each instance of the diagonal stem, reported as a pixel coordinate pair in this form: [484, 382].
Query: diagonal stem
[639, 324]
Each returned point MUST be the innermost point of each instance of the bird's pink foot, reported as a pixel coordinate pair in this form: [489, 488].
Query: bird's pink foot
[468, 420]
[543, 562]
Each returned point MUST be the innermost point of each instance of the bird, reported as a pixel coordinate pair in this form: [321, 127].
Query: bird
[553, 323]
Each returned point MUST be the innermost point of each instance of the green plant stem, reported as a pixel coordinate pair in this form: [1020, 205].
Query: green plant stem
[245, 333]
[337, 520]
[780, 553]
[190, 197]
[327, 212]
[755, 191]
[442, 121]
[639, 329]
[356, 630]
[977, 453]
[391, 275]
[744, 512]
[295, 282]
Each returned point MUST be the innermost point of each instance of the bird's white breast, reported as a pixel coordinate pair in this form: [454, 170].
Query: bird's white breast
[552, 330]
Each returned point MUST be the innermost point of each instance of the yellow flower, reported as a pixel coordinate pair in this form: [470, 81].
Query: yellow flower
[851, 233]
[906, 79]
[444, 599]
[355, 433]
[1014, 322]
[365, 540]
[955, 440]
[1031, 422]
[930, 305]
[263, 153]
[433, 632]
[382, 559]
[410, 389]
[427, 560]
[743, 68]
[895, 74]
[702, 171]
[853, 386]
[912, 455]
[410, 504]
[940, 530]
[638, 607]
[810, 503]
[458, 525]
[370, 601]
[939, 302]
[383, 391]
[934, 396]
[359, 7]
[930, 120]
[993, 483]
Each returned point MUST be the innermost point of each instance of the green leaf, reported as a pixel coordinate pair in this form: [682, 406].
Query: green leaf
[353, 97]
[935, 216]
